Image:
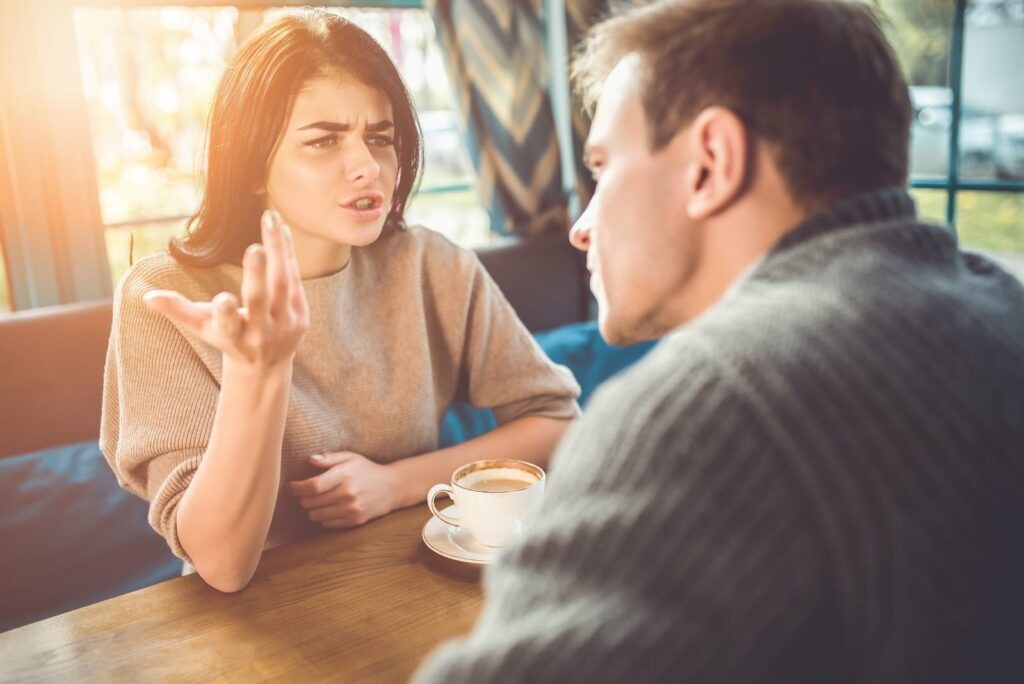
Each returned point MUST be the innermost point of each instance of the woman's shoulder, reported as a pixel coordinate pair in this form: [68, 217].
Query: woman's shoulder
[164, 272]
[427, 249]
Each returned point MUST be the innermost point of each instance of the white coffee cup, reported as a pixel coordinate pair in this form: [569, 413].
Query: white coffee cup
[492, 497]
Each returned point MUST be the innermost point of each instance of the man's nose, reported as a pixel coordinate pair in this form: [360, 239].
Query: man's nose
[579, 236]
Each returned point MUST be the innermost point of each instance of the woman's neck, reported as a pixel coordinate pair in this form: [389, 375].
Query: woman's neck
[319, 256]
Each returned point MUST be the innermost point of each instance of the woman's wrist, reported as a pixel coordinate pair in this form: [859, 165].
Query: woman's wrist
[409, 488]
[243, 370]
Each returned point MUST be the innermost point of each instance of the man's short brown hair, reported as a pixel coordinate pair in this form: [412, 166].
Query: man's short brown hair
[816, 79]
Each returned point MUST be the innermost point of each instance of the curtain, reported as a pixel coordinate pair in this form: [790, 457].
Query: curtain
[495, 55]
[580, 15]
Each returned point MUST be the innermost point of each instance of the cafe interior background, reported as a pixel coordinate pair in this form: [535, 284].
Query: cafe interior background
[103, 107]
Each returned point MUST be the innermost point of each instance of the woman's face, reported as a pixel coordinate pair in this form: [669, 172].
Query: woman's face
[332, 176]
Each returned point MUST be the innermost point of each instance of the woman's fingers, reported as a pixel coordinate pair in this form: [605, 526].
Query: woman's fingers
[337, 495]
[297, 296]
[190, 315]
[343, 510]
[268, 329]
[226, 320]
[277, 275]
[254, 286]
[318, 484]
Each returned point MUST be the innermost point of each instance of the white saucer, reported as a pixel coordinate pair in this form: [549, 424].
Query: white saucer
[455, 542]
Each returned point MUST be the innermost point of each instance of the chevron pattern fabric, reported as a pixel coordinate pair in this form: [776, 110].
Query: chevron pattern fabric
[580, 15]
[495, 53]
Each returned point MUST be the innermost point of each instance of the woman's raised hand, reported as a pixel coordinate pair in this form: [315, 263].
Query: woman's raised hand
[264, 331]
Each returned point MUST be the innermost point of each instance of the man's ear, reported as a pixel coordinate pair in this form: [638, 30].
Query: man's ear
[718, 151]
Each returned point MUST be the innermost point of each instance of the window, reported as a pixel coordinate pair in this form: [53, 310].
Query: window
[931, 204]
[993, 223]
[148, 87]
[962, 60]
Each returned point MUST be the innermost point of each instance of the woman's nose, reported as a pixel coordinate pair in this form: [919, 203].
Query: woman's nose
[360, 164]
[579, 236]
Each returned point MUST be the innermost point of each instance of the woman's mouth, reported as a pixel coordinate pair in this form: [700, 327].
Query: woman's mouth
[366, 206]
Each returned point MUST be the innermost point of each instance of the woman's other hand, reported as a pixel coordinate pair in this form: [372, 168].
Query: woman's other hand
[352, 490]
[265, 330]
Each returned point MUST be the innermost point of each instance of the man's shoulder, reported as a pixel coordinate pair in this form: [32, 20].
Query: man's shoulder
[683, 370]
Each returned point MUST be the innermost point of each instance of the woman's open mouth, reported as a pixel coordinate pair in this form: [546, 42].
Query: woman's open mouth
[366, 206]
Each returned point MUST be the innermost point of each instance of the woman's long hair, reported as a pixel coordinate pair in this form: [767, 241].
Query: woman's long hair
[250, 109]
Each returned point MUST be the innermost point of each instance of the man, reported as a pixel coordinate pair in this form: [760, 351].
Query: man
[818, 475]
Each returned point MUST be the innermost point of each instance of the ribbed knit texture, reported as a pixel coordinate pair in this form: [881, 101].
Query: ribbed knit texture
[821, 479]
[410, 325]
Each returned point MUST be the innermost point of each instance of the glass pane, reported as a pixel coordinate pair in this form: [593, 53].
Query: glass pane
[149, 75]
[125, 246]
[458, 215]
[993, 223]
[5, 293]
[992, 123]
[931, 205]
[920, 32]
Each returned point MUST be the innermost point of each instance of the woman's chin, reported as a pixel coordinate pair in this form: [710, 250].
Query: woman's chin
[361, 236]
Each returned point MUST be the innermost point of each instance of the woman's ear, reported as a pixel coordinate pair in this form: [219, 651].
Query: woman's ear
[718, 143]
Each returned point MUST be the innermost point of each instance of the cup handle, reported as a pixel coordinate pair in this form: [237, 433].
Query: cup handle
[442, 489]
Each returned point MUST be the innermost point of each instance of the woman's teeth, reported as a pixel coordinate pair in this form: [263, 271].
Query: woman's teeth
[365, 203]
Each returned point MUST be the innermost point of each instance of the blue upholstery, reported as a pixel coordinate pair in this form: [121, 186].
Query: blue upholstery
[579, 347]
[70, 536]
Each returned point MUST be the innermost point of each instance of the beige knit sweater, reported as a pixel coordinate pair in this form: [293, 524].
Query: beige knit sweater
[412, 324]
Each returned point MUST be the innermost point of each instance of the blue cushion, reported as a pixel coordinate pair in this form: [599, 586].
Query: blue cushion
[580, 348]
[71, 536]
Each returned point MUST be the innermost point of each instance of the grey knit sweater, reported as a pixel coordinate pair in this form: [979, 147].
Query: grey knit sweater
[821, 479]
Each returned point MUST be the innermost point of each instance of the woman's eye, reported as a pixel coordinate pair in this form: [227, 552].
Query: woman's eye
[380, 141]
[324, 142]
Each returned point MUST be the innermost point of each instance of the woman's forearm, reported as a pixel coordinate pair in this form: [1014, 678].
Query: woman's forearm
[531, 438]
[224, 516]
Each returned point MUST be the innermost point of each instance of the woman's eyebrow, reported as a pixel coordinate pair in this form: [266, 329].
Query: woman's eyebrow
[335, 127]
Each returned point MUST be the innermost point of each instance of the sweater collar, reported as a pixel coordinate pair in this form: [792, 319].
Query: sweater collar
[872, 207]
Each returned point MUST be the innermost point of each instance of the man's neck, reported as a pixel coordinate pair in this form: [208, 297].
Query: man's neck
[733, 242]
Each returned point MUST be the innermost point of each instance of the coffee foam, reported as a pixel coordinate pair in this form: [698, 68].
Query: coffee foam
[473, 478]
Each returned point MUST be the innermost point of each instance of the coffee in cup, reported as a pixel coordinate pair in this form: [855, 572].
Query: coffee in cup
[492, 497]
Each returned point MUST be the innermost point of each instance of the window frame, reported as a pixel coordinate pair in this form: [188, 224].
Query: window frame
[952, 183]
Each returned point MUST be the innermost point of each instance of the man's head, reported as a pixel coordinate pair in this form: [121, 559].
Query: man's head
[718, 125]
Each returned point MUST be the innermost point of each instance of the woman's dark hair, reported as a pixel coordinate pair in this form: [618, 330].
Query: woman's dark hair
[251, 106]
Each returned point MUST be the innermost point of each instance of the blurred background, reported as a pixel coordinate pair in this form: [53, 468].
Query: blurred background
[145, 75]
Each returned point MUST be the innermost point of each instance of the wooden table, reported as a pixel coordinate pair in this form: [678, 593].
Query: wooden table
[363, 605]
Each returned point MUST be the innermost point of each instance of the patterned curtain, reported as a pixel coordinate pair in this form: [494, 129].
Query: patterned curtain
[580, 15]
[495, 54]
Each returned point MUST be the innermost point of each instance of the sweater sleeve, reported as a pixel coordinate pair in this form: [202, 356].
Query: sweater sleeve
[670, 547]
[503, 366]
[159, 400]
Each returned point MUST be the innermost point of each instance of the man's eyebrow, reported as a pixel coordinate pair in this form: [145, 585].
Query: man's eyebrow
[335, 127]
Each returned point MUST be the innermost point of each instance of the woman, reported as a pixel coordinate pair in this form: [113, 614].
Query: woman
[276, 376]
